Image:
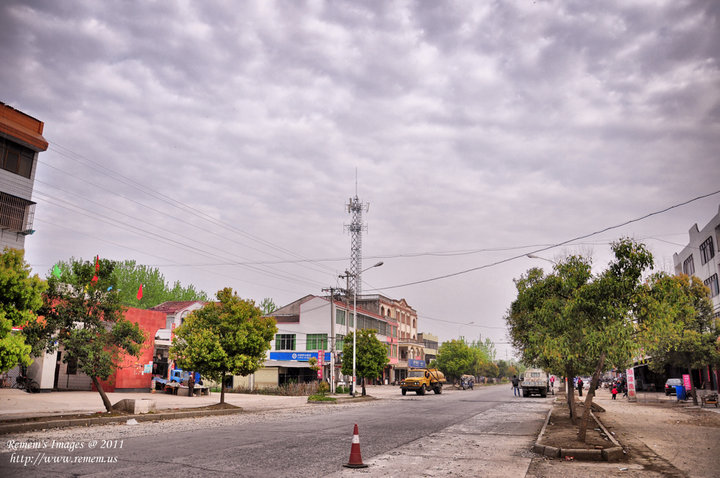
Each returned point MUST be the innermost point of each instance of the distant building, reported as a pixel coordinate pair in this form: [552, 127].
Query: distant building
[175, 314]
[430, 345]
[699, 258]
[409, 346]
[304, 328]
[20, 142]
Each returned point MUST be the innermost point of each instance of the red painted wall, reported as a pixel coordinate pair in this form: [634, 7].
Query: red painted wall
[130, 374]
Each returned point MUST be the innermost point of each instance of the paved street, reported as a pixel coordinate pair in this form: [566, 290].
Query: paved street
[435, 432]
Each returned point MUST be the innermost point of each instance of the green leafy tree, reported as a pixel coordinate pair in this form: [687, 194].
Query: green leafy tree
[455, 358]
[83, 315]
[371, 356]
[20, 297]
[676, 323]
[484, 352]
[570, 322]
[127, 277]
[226, 337]
[267, 306]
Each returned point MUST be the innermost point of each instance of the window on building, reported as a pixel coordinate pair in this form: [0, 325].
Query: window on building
[16, 213]
[688, 266]
[317, 342]
[340, 317]
[712, 283]
[16, 159]
[339, 343]
[285, 342]
[706, 250]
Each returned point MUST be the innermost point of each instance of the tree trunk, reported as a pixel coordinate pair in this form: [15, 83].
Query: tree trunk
[222, 388]
[582, 432]
[692, 388]
[103, 395]
[363, 387]
[571, 395]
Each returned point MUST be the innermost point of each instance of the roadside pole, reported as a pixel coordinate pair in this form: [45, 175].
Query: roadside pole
[332, 341]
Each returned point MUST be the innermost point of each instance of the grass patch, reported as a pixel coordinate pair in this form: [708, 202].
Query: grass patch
[321, 398]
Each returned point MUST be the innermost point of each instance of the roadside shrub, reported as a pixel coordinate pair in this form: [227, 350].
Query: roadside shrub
[286, 390]
[342, 390]
[323, 388]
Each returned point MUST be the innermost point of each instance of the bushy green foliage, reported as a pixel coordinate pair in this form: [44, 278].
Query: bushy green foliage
[571, 322]
[85, 317]
[20, 298]
[371, 355]
[225, 337]
[127, 277]
[675, 323]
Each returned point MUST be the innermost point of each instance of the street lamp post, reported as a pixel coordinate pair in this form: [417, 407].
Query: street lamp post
[533, 256]
[355, 319]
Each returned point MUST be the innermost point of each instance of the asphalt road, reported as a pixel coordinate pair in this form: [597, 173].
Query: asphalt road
[315, 442]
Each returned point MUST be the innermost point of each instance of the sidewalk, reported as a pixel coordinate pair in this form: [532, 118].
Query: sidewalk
[16, 404]
[662, 437]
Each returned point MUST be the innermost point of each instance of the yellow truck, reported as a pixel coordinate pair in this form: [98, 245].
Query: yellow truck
[423, 379]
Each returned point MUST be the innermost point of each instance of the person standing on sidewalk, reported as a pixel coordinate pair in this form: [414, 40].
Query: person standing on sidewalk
[516, 386]
[580, 386]
[191, 384]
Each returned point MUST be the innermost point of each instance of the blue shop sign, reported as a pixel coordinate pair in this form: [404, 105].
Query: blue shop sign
[416, 363]
[297, 356]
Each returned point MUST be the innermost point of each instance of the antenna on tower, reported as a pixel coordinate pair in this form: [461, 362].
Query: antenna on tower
[356, 228]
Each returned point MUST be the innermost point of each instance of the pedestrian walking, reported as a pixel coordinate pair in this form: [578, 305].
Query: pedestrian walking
[516, 386]
[552, 383]
[580, 386]
[614, 392]
[191, 384]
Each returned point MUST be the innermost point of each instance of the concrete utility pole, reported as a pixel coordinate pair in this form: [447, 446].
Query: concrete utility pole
[355, 293]
[332, 337]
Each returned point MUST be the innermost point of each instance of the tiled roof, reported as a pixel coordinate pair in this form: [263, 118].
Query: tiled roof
[174, 306]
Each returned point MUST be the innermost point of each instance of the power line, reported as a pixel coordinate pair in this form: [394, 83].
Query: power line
[585, 236]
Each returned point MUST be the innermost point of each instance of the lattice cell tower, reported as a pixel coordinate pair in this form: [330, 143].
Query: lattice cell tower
[356, 228]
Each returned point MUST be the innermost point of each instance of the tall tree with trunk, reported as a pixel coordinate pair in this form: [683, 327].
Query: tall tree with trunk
[676, 325]
[226, 337]
[571, 322]
[20, 298]
[81, 313]
[371, 356]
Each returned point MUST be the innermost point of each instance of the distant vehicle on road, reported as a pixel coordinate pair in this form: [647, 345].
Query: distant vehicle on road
[422, 380]
[535, 381]
[670, 385]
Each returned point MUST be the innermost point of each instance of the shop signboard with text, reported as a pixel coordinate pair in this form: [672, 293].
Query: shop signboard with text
[298, 356]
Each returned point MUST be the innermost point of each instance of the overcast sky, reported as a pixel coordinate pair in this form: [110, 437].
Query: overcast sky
[220, 141]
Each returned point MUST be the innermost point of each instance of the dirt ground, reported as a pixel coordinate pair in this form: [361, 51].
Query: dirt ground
[661, 437]
[562, 433]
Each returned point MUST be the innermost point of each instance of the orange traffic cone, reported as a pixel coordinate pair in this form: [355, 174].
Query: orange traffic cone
[355, 457]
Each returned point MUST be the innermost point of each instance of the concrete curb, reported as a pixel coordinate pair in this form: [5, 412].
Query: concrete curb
[612, 454]
[59, 422]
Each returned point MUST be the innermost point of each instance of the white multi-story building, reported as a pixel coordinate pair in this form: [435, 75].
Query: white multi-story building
[306, 327]
[20, 142]
[700, 258]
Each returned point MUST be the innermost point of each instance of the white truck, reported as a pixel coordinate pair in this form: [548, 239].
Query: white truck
[535, 381]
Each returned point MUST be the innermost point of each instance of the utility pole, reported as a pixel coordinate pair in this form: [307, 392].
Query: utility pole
[332, 337]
